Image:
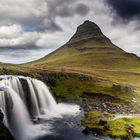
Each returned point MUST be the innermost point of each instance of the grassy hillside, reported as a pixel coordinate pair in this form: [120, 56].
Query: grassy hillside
[91, 54]
[89, 48]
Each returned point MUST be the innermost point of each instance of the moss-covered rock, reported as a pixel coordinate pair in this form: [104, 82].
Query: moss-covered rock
[106, 124]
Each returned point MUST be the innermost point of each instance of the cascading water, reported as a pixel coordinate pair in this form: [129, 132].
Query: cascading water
[19, 110]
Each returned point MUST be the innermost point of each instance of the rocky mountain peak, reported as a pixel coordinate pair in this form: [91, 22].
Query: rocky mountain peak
[89, 26]
[88, 31]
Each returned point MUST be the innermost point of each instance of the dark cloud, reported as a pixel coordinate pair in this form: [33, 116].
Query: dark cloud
[60, 8]
[49, 26]
[35, 13]
[126, 9]
[82, 9]
[66, 8]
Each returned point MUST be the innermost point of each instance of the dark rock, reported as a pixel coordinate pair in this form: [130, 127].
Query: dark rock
[4, 132]
[1, 116]
[88, 30]
[86, 131]
[123, 88]
[106, 127]
[102, 122]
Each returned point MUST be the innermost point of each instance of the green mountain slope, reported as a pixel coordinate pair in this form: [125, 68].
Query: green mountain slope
[90, 48]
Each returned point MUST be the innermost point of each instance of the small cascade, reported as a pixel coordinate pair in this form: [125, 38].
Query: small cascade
[34, 100]
[20, 106]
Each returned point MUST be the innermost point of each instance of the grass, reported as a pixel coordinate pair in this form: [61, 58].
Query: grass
[74, 87]
[118, 128]
[91, 54]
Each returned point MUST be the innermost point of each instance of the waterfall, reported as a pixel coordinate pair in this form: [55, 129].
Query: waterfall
[20, 106]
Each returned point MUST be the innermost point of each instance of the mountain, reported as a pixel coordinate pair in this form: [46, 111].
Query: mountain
[90, 48]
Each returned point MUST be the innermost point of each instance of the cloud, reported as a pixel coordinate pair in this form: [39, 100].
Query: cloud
[22, 22]
[39, 14]
[126, 9]
[14, 36]
[26, 13]
[63, 9]
[66, 8]
[82, 9]
[12, 31]
[51, 23]
[49, 26]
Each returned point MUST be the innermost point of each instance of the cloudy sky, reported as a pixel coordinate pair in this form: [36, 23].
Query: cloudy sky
[30, 29]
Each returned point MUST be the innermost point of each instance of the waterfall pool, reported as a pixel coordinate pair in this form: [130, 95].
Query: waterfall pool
[69, 128]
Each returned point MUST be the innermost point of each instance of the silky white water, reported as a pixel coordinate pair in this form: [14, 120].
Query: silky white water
[20, 106]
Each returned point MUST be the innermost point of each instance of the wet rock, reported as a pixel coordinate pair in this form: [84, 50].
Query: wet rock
[102, 122]
[123, 88]
[4, 132]
[1, 116]
[104, 105]
[106, 127]
[87, 131]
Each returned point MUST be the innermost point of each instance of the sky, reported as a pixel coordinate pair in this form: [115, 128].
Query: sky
[30, 29]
